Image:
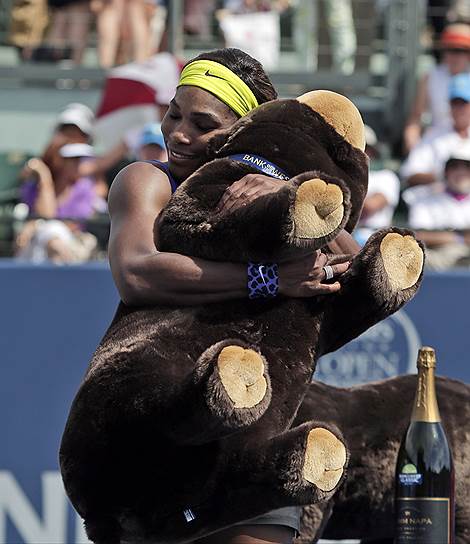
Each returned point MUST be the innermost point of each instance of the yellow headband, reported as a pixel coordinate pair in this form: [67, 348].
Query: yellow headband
[222, 82]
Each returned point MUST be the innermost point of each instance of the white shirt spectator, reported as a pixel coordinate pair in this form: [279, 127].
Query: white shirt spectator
[440, 211]
[431, 154]
[386, 183]
[438, 95]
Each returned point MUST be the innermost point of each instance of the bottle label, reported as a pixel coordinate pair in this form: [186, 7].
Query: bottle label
[409, 475]
[410, 479]
[423, 521]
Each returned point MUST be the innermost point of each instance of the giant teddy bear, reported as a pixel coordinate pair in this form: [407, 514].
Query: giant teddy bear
[183, 424]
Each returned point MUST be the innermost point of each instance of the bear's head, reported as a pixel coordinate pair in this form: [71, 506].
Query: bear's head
[320, 135]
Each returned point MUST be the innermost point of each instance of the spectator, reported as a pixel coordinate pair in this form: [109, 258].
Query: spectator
[68, 197]
[142, 145]
[254, 27]
[197, 17]
[339, 16]
[73, 125]
[151, 145]
[442, 220]
[69, 27]
[432, 95]
[28, 21]
[115, 17]
[459, 10]
[382, 196]
[425, 164]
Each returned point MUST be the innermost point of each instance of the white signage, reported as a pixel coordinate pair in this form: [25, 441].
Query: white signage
[48, 524]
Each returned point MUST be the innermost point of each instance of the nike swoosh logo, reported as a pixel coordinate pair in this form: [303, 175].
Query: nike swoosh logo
[212, 75]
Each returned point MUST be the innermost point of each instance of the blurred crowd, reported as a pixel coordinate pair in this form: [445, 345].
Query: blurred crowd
[64, 190]
[126, 30]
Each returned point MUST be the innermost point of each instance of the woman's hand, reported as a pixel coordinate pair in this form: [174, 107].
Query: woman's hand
[304, 277]
[36, 167]
[247, 189]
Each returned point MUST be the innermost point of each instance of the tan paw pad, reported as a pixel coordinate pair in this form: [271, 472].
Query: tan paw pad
[325, 459]
[318, 209]
[242, 375]
[403, 260]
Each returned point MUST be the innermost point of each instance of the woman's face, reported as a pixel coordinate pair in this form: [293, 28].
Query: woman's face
[458, 177]
[460, 111]
[69, 169]
[193, 118]
[457, 60]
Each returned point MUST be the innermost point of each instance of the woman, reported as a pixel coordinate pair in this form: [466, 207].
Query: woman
[432, 95]
[204, 104]
[64, 201]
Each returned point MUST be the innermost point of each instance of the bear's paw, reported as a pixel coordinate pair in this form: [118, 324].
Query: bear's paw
[318, 209]
[402, 259]
[325, 459]
[242, 374]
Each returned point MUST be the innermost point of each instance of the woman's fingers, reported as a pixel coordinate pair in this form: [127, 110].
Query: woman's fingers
[330, 271]
[307, 277]
[314, 288]
[247, 189]
[231, 193]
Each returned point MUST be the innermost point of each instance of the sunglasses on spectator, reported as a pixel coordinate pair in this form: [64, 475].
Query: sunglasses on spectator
[456, 50]
[452, 163]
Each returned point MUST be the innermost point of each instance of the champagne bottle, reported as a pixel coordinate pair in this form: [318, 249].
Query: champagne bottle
[424, 481]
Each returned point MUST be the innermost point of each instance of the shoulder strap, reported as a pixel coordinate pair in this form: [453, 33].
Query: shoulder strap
[163, 166]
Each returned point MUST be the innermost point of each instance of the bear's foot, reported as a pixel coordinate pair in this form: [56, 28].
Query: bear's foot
[325, 459]
[403, 260]
[242, 375]
[228, 390]
[309, 460]
[318, 210]
[238, 389]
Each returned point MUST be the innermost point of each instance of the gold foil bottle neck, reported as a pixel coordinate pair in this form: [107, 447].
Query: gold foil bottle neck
[426, 358]
[425, 404]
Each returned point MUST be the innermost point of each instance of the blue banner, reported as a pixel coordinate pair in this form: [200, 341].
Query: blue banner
[52, 319]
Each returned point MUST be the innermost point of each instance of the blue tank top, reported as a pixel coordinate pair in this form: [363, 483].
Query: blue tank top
[163, 166]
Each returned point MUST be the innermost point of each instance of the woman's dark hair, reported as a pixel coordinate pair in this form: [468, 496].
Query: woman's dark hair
[246, 68]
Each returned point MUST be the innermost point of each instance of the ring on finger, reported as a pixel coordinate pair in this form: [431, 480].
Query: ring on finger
[329, 273]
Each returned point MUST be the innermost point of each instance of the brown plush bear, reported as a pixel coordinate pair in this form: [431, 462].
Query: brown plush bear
[374, 418]
[183, 424]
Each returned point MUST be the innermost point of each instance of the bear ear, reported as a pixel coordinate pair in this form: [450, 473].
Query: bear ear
[222, 141]
[216, 143]
[339, 112]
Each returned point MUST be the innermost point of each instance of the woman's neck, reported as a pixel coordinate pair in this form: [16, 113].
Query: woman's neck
[61, 184]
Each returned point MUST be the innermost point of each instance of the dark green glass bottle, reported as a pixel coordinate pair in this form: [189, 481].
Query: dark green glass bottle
[424, 481]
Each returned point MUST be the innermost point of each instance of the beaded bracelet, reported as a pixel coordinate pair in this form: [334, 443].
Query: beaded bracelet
[263, 280]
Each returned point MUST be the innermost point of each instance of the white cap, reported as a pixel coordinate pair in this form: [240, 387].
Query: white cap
[460, 153]
[78, 115]
[69, 151]
[370, 135]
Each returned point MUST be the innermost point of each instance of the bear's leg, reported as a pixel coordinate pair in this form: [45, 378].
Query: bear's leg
[228, 391]
[105, 530]
[300, 466]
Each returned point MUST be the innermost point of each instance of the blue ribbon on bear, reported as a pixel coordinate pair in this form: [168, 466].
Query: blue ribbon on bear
[261, 164]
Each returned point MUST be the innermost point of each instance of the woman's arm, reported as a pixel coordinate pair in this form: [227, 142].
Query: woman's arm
[45, 204]
[100, 165]
[145, 276]
[437, 238]
[412, 130]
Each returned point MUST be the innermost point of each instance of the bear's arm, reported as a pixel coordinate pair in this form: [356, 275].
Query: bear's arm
[383, 277]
